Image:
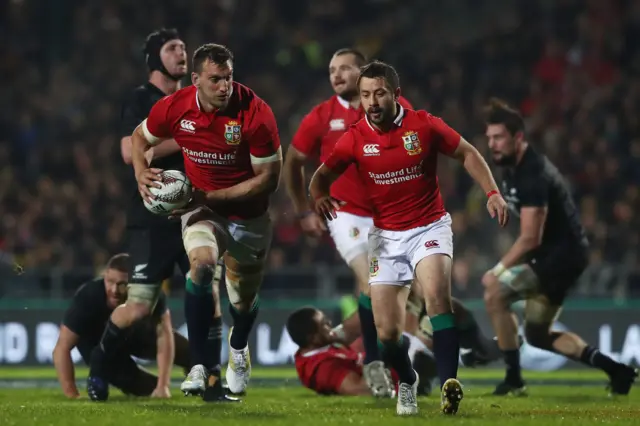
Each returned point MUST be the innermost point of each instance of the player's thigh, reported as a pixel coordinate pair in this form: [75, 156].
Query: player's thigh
[131, 379]
[431, 250]
[150, 265]
[388, 302]
[389, 262]
[558, 270]
[350, 234]
[245, 259]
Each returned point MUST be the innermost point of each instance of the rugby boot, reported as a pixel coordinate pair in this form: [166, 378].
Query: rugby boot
[196, 381]
[239, 368]
[378, 380]
[508, 388]
[407, 404]
[451, 396]
[621, 381]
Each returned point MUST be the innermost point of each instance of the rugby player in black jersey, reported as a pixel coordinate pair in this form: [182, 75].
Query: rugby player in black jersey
[152, 338]
[155, 243]
[546, 260]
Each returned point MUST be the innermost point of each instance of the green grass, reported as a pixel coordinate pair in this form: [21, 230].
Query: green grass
[293, 406]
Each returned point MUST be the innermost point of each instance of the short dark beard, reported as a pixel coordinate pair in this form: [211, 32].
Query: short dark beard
[506, 161]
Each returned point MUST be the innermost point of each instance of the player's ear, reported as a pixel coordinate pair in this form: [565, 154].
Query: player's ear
[396, 94]
[195, 79]
[519, 136]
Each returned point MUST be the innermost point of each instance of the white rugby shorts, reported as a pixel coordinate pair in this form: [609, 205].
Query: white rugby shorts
[350, 233]
[247, 241]
[393, 255]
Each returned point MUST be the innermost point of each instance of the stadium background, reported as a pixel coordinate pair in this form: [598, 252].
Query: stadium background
[571, 66]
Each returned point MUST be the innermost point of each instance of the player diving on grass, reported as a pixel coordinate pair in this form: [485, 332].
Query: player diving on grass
[331, 360]
[546, 260]
[314, 140]
[231, 149]
[396, 152]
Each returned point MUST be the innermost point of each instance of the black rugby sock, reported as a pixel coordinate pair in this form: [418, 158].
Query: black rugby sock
[368, 329]
[242, 325]
[199, 310]
[113, 338]
[512, 361]
[214, 347]
[446, 346]
[594, 358]
[396, 356]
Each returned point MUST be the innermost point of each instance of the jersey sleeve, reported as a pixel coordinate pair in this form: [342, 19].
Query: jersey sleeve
[330, 373]
[534, 191]
[445, 138]
[78, 317]
[131, 116]
[308, 136]
[157, 127]
[263, 137]
[342, 155]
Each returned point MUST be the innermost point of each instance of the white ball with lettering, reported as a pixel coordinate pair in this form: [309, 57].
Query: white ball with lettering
[175, 193]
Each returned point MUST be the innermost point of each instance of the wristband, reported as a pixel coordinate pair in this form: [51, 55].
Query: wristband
[498, 269]
[492, 193]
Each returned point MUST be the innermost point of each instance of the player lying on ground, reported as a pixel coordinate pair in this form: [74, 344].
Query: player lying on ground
[153, 242]
[546, 260]
[151, 338]
[231, 148]
[330, 366]
[396, 152]
[475, 348]
[314, 140]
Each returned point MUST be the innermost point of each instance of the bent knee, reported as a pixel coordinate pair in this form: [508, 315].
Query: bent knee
[494, 297]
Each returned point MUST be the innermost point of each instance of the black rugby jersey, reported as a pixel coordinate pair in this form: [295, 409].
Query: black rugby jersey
[134, 110]
[536, 182]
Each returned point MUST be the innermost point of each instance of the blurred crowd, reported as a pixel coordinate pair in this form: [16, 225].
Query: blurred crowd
[571, 66]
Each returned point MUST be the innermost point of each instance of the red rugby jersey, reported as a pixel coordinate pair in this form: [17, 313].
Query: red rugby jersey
[219, 148]
[398, 168]
[316, 137]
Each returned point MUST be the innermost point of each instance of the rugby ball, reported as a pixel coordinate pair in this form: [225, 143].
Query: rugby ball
[175, 193]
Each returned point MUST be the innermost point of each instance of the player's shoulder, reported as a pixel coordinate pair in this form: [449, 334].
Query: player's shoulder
[534, 164]
[185, 97]
[245, 98]
[91, 290]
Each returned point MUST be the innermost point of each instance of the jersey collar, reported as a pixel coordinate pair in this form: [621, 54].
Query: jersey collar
[397, 121]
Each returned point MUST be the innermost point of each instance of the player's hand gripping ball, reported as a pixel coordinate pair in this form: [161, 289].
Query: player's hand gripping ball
[175, 193]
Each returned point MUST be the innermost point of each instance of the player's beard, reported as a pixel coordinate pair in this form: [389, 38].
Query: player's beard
[505, 160]
[378, 116]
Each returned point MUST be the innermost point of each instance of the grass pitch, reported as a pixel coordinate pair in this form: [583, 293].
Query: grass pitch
[285, 403]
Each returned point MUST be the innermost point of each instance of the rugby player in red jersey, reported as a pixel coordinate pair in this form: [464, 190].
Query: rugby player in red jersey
[396, 151]
[317, 135]
[329, 365]
[231, 148]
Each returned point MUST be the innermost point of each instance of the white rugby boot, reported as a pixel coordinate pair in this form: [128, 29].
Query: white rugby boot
[379, 380]
[196, 381]
[407, 404]
[239, 368]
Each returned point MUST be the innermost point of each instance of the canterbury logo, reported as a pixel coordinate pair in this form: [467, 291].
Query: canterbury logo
[432, 244]
[188, 126]
[371, 149]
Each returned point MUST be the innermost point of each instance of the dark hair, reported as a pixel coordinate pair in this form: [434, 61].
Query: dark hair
[379, 69]
[499, 112]
[119, 262]
[361, 59]
[216, 53]
[301, 325]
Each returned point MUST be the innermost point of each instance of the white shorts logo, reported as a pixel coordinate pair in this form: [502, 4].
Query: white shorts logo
[188, 126]
[370, 150]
